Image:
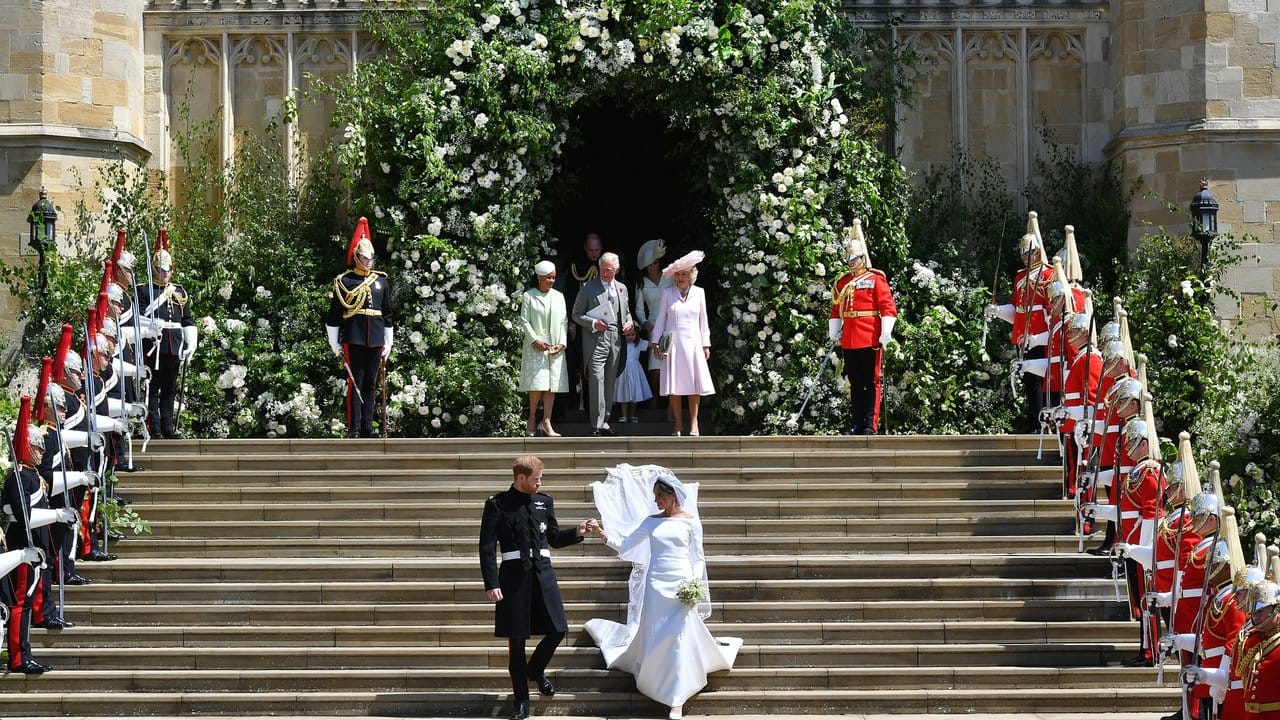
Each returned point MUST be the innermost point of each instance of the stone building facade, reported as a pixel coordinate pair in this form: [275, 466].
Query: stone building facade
[1171, 90]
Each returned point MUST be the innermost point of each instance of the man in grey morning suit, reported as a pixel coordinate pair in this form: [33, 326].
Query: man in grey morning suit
[602, 339]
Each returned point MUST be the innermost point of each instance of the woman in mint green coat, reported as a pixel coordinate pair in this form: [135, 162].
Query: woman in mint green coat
[542, 368]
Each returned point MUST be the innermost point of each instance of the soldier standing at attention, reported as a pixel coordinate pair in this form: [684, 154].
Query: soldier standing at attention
[517, 531]
[862, 317]
[176, 344]
[360, 319]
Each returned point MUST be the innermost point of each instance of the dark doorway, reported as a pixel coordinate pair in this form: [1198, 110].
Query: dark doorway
[626, 177]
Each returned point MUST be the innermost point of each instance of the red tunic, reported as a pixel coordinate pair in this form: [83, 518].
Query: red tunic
[1193, 565]
[1221, 625]
[1262, 684]
[1030, 302]
[1106, 438]
[1082, 381]
[1164, 554]
[1139, 494]
[1058, 342]
[860, 301]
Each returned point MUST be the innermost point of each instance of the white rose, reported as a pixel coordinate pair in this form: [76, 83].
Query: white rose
[482, 120]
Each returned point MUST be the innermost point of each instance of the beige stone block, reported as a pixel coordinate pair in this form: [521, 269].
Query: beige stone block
[89, 61]
[1251, 55]
[14, 87]
[110, 92]
[115, 25]
[32, 62]
[63, 87]
[1217, 109]
[1220, 28]
[25, 111]
[94, 116]
[1259, 82]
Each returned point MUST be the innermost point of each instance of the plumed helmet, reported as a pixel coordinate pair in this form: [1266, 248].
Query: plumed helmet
[126, 261]
[109, 329]
[35, 438]
[1203, 504]
[855, 243]
[42, 388]
[1109, 332]
[1265, 594]
[115, 294]
[1217, 558]
[161, 257]
[651, 252]
[1187, 459]
[1075, 272]
[1079, 327]
[1030, 245]
[1231, 533]
[1175, 475]
[1135, 431]
[361, 242]
[55, 398]
[63, 356]
[22, 432]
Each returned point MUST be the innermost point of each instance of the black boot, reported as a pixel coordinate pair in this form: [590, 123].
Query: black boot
[521, 711]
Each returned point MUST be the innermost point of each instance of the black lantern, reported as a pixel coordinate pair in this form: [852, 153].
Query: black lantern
[43, 222]
[1204, 221]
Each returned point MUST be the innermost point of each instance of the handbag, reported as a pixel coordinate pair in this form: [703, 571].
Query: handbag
[664, 343]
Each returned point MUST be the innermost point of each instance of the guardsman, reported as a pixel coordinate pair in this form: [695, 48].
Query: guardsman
[862, 317]
[1026, 311]
[1078, 396]
[56, 470]
[170, 304]
[360, 327]
[517, 532]
[26, 504]
[1260, 669]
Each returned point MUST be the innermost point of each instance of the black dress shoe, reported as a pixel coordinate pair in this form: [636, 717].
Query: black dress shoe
[1175, 715]
[1138, 660]
[77, 580]
[1100, 551]
[99, 556]
[51, 624]
[172, 435]
[30, 667]
[544, 686]
[522, 710]
[130, 468]
[606, 432]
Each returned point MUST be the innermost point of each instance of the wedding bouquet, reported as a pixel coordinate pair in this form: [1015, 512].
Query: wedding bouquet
[691, 592]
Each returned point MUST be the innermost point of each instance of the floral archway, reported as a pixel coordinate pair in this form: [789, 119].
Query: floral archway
[454, 135]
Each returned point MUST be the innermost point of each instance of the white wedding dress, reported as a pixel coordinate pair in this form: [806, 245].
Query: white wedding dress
[665, 643]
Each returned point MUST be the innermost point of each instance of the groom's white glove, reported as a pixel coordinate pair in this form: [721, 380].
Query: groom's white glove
[332, 332]
[835, 326]
[886, 329]
[386, 347]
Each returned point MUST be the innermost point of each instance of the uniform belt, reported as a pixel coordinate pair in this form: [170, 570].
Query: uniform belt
[366, 311]
[1258, 708]
[860, 313]
[515, 554]
[1237, 685]
[1130, 514]
[1214, 652]
[1071, 396]
[1192, 593]
[1113, 428]
[1165, 564]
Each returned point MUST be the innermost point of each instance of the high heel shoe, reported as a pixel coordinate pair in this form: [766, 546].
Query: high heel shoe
[545, 427]
[528, 431]
[676, 713]
[675, 434]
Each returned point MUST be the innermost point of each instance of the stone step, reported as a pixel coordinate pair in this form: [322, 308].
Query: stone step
[619, 447]
[144, 546]
[977, 510]
[196, 614]
[727, 568]
[358, 530]
[431, 631]
[904, 655]
[331, 487]
[711, 702]
[469, 591]
[579, 680]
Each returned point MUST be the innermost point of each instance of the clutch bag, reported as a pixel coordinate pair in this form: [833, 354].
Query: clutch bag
[664, 344]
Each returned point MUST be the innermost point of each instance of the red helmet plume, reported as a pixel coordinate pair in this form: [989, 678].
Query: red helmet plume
[108, 272]
[162, 241]
[60, 357]
[103, 308]
[42, 394]
[115, 254]
[21, 436]
[361, 241]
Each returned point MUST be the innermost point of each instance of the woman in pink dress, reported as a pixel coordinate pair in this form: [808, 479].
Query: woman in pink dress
[682, 315]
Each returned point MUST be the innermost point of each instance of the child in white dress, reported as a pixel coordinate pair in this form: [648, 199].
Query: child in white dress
[633, 384]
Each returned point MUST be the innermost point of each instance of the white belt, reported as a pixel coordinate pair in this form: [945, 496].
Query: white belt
[1130, 514]
[1237, 684]
[1214, 652]
[1071, 396]
[515, 554]
[1165, 564]
[1192, 593]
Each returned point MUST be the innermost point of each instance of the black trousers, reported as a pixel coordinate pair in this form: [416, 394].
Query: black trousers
[161, 394]
[1033, 391]
[860, 368]
[521, 670]
[365, 361]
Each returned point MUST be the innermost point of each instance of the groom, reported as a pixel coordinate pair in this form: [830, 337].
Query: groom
[521, 523]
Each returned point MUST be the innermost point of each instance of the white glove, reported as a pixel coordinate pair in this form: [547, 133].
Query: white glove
[1184, 641]
[97, 441]
[1163, 599]
[150, 328]
[33, 556]
[1039, 339]
[332, 332]
[886, 330]
[386, 347]
[137, 410]
[189, 337]
[67, 516]
[990, 312]
[835, 326]
[1004, 312]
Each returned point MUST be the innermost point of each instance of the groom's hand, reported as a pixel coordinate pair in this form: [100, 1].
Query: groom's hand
[586, 526]
[495, 594]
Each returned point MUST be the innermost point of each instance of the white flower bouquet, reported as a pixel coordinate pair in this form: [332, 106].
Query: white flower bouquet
[691, 592]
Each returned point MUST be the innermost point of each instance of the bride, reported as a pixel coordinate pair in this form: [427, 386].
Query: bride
[664, 643]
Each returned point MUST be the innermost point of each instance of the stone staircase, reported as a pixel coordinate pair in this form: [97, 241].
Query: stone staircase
[866, 575]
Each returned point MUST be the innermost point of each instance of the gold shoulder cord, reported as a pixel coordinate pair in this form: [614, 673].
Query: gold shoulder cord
[354, 300]
[179, 297]
[584, 277]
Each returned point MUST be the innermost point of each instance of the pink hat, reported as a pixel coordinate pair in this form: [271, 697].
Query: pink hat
[685, 263]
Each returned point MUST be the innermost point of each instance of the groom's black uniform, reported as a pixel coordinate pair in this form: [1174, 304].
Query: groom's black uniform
[524, 529]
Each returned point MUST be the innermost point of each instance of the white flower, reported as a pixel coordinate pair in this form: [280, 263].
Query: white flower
[482, 120]
[435, 226]
[435, 423]
[262, 292]
[1173, 341]
[648, 58]
[225, 290]
[1185, 286]
[462, 419]
[386, 168]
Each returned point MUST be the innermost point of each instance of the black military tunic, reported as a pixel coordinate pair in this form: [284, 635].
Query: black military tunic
[163, 390]
[531, 603]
